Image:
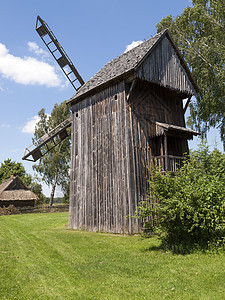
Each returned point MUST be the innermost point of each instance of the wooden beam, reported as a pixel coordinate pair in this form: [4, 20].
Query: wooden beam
[166, 152]
[131, 88]
[187, 103]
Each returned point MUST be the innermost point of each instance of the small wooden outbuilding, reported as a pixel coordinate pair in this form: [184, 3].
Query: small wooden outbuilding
[129, 113]
[14, 192]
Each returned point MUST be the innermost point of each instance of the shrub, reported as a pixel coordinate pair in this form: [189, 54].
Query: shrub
[187, 209]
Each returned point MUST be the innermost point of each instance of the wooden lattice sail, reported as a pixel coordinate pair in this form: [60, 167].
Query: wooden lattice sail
[58, 53]
[51, 139]
[47, 142]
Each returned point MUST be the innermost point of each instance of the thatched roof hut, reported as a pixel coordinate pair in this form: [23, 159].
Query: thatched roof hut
[14, 192]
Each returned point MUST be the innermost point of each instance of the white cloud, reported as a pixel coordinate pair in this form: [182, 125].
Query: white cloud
[29, 127]
[33, 47]
[5, 125]
[133, 45]
[27, 70]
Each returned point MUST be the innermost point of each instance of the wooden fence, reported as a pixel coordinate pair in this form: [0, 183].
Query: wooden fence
[173, 162]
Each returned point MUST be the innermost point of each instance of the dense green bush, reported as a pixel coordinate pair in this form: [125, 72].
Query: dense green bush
[187, 209]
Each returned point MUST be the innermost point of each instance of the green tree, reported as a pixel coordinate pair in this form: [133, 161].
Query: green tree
[54, 166]
[199, 33]
[188, 209]
[36, 187]
[9, 167]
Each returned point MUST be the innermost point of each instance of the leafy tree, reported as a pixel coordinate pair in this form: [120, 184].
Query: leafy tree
[66, 190]
[54, 166]
[199, 34]
[188, 209]
[9, 167]
[36, 187]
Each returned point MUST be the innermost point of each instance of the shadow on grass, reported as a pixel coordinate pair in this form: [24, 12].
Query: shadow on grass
[179, 248]
[174, 249]
[153, 248]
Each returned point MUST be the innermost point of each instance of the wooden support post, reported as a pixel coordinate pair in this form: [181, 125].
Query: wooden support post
[162, 154]
[166, 152]
[187, 103]
[131, 88]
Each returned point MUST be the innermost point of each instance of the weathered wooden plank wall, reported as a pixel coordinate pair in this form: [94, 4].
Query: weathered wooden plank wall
[111, 151]
[154, 103]
[114, 139]
[163, 67]
[150, 103]
[106, 158]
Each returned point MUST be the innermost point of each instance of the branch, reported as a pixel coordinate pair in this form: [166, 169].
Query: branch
[196, 51]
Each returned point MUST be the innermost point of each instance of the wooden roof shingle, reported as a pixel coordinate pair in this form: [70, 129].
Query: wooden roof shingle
[125, 64]
[118, 66]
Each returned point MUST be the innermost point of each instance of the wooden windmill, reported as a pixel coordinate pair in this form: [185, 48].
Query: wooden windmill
[41, 146]
[129, 113]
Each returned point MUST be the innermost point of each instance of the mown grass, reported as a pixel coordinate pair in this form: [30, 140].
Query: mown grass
[40, 258]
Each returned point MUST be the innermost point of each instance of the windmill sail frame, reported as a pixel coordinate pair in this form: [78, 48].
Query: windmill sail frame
[53, 138]
[41, 146]
[58, 53]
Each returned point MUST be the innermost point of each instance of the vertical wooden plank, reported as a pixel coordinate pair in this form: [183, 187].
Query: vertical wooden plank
[95, 163]
[107, 162]
[137, 173]
[133, 194]
[114, 162]
[127, 159]
[104, 170]
[108, 158]
[120, 225]
[115, 147]
[100, 179]
[84, 170]
[72, 167]
[75, 167]
[110, 180]
[97, 120]
[90, 167]
[79, 187]
[120, 169]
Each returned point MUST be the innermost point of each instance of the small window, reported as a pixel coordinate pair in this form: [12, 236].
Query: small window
[77, 115]
[115, 97]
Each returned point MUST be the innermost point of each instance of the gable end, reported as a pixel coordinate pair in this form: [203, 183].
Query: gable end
[164, 65]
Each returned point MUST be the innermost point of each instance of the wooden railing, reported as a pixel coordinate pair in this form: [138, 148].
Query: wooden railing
[173, 162]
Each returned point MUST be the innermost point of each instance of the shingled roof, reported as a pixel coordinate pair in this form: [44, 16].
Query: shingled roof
[118, 66]
[125, 64]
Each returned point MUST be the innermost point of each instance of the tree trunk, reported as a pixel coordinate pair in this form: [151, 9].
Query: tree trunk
[53, 190]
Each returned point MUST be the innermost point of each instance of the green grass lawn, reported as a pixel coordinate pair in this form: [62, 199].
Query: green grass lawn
[41, 259]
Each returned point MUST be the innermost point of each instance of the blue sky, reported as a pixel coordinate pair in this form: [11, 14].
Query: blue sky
[92, 32]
